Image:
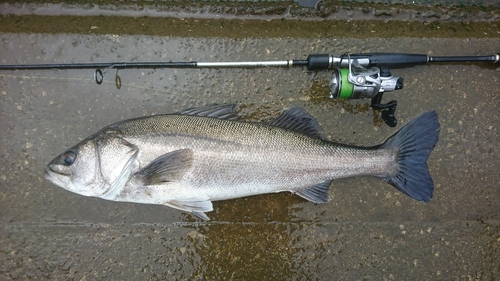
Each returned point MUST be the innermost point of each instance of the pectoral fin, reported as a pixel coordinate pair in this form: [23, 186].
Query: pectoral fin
[196, 206]
[317, 193]
[169, 167]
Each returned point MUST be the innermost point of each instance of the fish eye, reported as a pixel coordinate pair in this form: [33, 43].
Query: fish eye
[69, 157]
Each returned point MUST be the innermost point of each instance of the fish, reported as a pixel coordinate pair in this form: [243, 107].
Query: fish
[187, 160]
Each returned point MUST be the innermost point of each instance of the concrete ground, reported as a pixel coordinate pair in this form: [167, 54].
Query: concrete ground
[369, 231]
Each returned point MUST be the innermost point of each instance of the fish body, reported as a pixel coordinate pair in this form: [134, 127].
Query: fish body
[189, 159]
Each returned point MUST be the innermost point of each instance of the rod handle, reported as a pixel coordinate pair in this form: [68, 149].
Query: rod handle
[318, 61]
[393, 60]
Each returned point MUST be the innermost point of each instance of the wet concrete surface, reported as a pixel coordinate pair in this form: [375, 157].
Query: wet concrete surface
[369, 231]
[421, 10]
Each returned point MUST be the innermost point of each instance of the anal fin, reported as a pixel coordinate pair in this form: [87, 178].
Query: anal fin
[197, 206]
[317, 193]
[201, 215]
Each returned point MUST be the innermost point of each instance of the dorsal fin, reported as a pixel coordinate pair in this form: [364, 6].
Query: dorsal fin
[224, 111]
[298, 120]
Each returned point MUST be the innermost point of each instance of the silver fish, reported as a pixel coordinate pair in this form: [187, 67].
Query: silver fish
[188, 159]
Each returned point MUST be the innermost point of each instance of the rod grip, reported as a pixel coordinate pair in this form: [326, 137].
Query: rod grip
[393, 60]
[318, 61]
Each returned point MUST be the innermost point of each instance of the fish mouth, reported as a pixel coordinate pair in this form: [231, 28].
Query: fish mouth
[54, 177]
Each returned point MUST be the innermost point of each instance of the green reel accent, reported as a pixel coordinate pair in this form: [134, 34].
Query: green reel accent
[346, 88]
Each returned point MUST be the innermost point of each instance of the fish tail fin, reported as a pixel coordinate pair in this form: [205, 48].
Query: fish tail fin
[414, 143]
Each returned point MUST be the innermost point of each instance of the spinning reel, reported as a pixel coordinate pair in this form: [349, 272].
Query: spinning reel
[358, 82]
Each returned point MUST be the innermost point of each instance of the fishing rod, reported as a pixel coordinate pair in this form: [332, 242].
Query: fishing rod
[356, 76]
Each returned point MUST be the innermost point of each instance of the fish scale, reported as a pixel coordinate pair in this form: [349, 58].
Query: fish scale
[189, 159]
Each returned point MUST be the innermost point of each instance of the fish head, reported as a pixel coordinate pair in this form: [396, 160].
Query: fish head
[94, 167]
[76, 170]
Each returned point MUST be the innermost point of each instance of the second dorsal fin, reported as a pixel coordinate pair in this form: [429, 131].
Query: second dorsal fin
[298, 120]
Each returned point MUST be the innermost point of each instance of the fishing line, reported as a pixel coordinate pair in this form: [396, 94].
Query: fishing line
[86, 80]
[135, 86]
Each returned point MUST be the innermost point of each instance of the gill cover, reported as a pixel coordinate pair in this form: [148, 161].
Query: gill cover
[117, 159]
